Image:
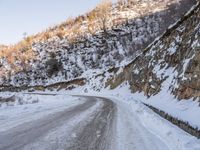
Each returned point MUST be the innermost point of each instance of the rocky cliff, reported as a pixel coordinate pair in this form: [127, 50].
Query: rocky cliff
[171, 63]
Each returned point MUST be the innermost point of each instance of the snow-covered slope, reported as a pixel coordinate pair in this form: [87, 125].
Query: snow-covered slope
[172, 62]
[56, 121]
[165, 75]
[130, 28]
[167, 71]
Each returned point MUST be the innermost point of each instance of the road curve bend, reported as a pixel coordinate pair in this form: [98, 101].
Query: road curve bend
[96, 124]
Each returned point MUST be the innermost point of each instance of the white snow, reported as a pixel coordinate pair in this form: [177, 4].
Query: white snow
[131, 105]
[130, 110]
[172, 50]
[12, 116]
[58, 136]
[185, 65]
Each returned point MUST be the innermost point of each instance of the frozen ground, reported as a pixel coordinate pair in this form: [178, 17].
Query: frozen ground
[88, 123]
[14, 115]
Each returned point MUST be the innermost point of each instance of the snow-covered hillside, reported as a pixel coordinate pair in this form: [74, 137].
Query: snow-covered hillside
[116, 75]
[170, 62]
[130, 28]
[167, 72]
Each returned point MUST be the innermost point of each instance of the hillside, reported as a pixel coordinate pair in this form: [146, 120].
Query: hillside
[75, 49]
[123, 76]
[170, 62]
[165, 75]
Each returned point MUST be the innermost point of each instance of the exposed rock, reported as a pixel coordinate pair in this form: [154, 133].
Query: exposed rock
[172, 60]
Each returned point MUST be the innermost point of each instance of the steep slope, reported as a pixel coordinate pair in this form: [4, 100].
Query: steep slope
[171, 62]
[165, 76]
[74, 50]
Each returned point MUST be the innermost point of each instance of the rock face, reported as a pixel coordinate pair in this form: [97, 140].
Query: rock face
[171, 63]
[57, 59]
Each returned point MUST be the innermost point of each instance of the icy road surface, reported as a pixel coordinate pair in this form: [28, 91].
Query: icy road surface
[94, 123]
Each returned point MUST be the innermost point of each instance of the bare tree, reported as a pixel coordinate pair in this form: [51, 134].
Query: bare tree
[103, 13]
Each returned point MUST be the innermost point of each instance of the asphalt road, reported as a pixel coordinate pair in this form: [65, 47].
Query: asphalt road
[96, 124]
[95, 134]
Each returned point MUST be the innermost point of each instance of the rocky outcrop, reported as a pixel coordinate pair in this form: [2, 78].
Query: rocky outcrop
[171, 62]
[68, 85]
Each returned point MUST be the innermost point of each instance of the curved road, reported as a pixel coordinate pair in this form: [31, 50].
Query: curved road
[96, 124]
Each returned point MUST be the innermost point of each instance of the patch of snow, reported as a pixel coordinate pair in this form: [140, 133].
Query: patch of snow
[12, 116]
[170, 134]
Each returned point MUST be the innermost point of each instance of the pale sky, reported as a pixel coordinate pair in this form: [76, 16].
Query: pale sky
[32, 16]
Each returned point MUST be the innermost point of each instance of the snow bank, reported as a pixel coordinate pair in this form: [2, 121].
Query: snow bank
[11, 116]
[175, 137]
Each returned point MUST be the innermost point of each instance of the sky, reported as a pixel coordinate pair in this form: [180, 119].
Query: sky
[32, 16]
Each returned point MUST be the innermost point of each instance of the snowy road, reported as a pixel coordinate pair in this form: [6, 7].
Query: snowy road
[94, 124]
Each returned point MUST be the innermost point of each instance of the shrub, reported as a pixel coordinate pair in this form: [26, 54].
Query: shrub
[53, 65]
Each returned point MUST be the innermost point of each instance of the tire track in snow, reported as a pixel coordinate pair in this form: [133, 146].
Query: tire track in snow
[24, 134]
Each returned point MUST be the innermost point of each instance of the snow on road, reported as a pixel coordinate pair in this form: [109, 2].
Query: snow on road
[131, 134]
[11, 116]
[88, 123]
